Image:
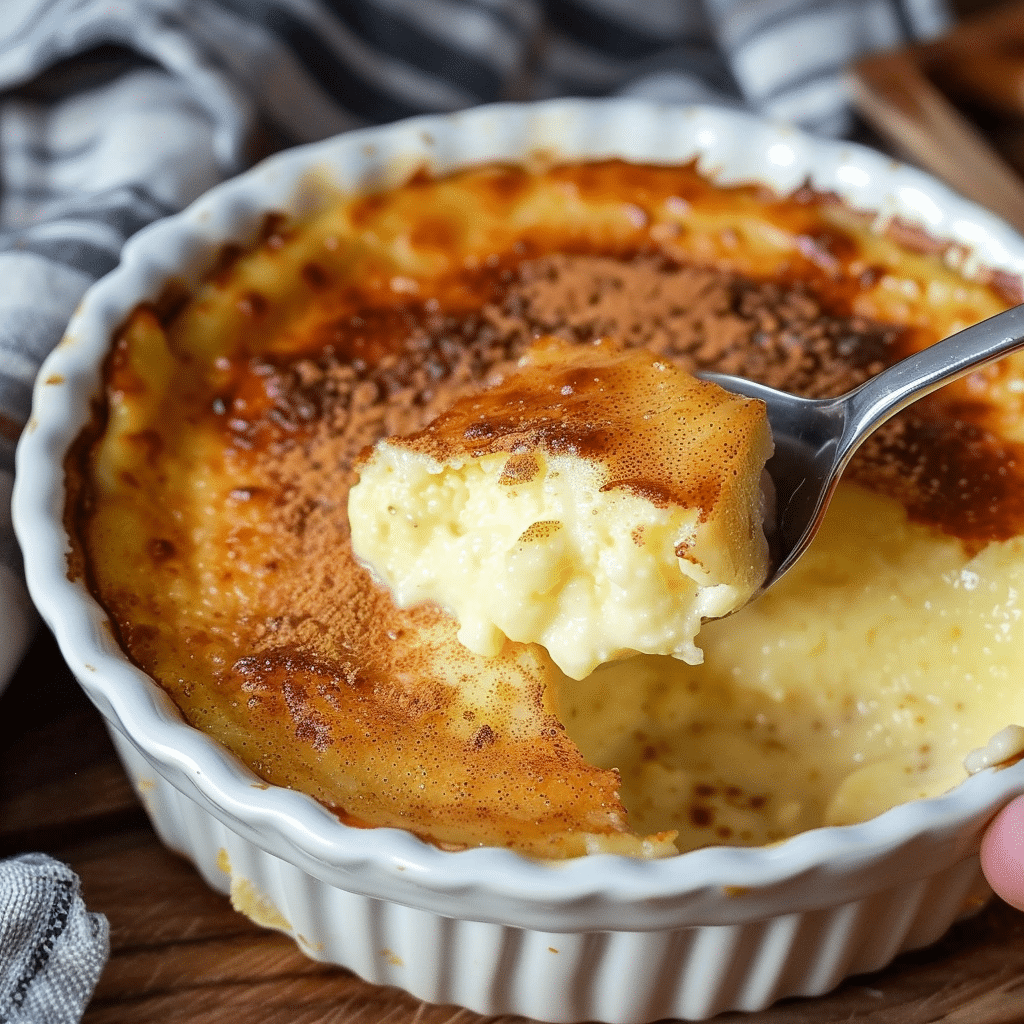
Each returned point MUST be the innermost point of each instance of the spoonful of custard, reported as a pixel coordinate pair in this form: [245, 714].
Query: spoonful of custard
[598, 501]
[816, 438]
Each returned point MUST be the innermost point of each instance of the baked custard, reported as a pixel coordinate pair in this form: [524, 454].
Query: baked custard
[208, 505]
[599, 502]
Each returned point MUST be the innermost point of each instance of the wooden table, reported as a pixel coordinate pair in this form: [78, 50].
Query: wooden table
[181, 954]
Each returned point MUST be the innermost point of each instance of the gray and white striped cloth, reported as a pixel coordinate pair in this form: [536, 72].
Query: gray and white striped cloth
[52, 950]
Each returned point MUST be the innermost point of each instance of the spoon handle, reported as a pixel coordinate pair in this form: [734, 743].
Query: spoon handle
[903, 383]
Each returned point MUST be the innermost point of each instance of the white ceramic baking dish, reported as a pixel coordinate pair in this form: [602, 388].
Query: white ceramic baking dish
[597, 938]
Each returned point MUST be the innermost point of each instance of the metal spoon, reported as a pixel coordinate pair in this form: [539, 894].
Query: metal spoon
[815, 438]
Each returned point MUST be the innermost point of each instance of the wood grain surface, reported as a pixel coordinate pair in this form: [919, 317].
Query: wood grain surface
[181, 954]
[955, 106]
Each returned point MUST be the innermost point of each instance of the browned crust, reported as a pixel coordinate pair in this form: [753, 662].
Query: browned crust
[300, 665]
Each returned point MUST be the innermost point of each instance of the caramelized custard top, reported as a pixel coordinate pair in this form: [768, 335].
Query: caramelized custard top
[207, 500]
[664, 436]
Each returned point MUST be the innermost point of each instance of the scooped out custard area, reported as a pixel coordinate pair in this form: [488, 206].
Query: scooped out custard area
[208, 508]
[513, 512]
[599, 502]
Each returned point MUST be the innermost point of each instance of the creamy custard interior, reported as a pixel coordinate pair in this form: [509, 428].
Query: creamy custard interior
[208, 506]
[599, 502]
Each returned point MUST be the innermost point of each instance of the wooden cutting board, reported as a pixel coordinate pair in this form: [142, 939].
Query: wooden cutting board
[181, 954]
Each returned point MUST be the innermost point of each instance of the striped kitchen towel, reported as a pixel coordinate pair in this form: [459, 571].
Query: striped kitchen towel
[52, 950]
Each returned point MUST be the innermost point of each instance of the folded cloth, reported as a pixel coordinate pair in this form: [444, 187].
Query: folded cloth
[115, 114]
[52, 949]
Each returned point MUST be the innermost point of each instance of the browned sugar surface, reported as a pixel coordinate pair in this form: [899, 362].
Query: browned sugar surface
[297, 420]
[646, 426]
[292, 657]
[943, 459]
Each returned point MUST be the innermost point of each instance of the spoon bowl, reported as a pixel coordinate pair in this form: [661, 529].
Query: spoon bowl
[815, 438]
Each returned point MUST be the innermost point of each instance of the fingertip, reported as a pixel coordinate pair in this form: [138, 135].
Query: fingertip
[1002, 853]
